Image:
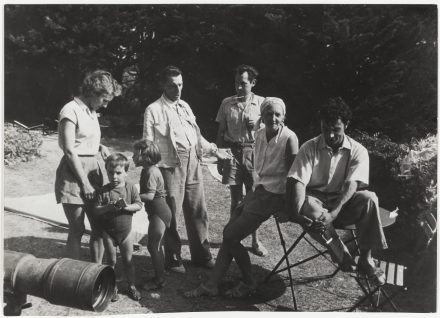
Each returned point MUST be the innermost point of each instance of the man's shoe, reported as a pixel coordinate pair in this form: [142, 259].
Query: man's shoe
[374, 274]
[347, 265]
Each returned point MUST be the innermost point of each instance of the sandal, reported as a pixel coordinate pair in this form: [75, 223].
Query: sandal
[202, 290]
[259, 250]
[153, 284]
[241, 290]
[115, 296]
[133, 293]
[374, 274]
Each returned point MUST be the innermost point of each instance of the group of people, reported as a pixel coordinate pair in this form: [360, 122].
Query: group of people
[317, 185]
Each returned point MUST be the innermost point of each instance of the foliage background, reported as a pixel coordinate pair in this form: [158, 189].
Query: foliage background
[382, 59]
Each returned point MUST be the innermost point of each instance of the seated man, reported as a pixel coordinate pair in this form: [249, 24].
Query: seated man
[326, 184]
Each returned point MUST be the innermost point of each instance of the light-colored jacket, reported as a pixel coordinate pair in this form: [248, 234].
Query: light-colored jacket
[157, 128]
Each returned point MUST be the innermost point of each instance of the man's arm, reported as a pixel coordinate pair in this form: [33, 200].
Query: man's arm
[148, 130]
[348, 189]
[295, 197]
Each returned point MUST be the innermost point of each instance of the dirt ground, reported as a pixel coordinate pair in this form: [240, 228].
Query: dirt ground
[43, 240]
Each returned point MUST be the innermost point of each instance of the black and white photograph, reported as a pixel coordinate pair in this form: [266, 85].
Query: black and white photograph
[196, 157]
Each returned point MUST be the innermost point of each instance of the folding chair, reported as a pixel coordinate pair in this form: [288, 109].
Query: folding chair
[386, 217]
[395, 273]
[394, 284]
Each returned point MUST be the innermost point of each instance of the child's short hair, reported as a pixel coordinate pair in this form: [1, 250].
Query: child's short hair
[150, 151]
[115, 160]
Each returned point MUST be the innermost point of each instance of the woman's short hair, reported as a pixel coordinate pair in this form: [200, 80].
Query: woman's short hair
[169, 71]
[99, 83]
[116, 160]
[252, 72]
[333, 109]
[150, 153]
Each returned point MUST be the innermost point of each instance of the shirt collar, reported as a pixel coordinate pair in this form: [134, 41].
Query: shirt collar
[252, 99]
[345, 144]
[169, 102]
[83, 106]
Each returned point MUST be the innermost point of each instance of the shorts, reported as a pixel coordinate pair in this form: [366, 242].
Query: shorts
[160, 208]
[240, 169]
[67, 189]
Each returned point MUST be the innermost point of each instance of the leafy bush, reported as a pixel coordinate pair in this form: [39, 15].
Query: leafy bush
[418, 173]
[20, 144]
[404, 176]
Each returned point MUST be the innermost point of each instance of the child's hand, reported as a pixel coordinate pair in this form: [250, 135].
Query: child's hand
[120, 204]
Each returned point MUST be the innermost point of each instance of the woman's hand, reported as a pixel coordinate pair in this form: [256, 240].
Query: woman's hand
[104, 151]
[88, 191]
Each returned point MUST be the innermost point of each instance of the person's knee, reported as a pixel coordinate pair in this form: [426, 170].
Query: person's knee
[311, 208]
[368, 197]
[229, 237]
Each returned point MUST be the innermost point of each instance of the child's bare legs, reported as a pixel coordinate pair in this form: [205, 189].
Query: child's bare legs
[237, 197]
[111, 257]
[156, 231]
[126, 249]
[110, 248]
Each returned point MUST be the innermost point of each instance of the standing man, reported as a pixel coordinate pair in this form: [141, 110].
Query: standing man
[171, 124]
[327, 184]
[237, 118]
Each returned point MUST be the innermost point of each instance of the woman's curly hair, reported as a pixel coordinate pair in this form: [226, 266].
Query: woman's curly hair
[98, 83]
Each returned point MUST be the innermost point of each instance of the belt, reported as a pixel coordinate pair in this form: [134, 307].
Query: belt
[86, 155]
[239, 144]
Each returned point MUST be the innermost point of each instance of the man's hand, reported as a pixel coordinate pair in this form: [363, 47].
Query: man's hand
[220, 166]
[327, 218]
[223, 154]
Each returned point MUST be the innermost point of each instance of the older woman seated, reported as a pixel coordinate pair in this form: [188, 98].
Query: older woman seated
[275, 149]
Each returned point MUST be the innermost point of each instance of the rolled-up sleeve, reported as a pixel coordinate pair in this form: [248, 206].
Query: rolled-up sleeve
[359, 167]
[148, 131]
[302, 166]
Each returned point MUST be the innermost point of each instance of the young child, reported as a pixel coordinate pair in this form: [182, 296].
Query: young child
[152, 193]
[114, 207]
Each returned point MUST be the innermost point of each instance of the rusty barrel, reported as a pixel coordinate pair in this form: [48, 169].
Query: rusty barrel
[66, 282]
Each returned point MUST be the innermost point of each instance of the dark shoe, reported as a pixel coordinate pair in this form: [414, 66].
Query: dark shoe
[133, 293]
[348, 265]
[115, 296]
[373, 274]
[208, 264]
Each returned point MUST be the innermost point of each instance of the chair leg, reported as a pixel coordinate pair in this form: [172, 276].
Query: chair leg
[286, 253]
[283, 243]
[368, 294]
[389, 299]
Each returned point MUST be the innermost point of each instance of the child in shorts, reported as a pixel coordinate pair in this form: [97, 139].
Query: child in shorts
[152, 193]
[114, 207]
